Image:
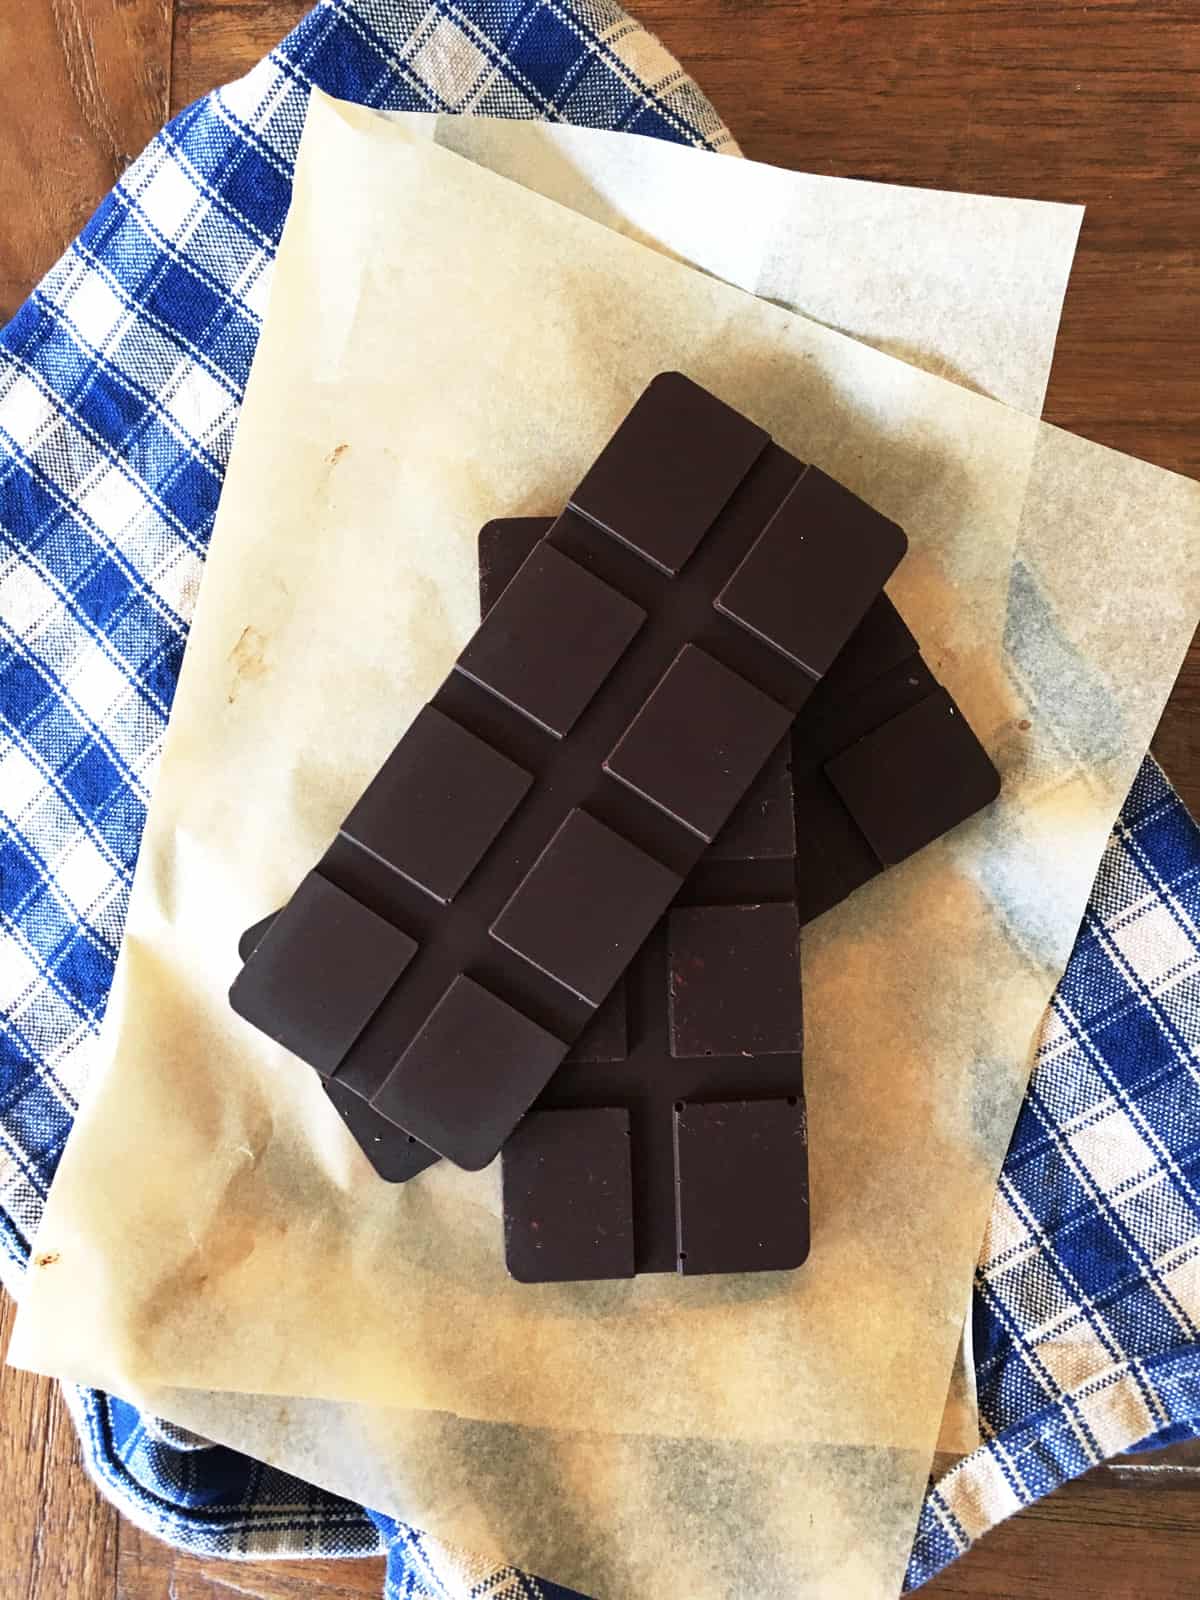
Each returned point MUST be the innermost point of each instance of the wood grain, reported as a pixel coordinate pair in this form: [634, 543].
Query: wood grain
[1125, 1533]
[1048, 98]
[83, 85]
[214, 43]
[57, 1536]
[148, 1570]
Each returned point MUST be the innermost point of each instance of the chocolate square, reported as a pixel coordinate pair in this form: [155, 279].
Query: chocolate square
[735, 980]
[667, 472]
[585, 906]
[436, 804]
[792, 587]
[741, 1174]
[913, 779]
[551, 639]
[698, 741]
[457, 1097]
[315, 996]
[568, 1199]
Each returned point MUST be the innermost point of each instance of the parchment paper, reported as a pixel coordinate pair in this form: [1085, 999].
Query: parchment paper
[968, 286]
[612, 1515]
[278, 1264]
[958, 284]
[965, 285]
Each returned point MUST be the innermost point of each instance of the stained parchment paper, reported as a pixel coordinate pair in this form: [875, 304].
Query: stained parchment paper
[967, 286]
[619, 1517]
[489, 343]
[959, 284]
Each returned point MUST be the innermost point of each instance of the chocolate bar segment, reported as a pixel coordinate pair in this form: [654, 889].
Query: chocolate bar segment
[698, 742]
[437, 803]
[910, 781]
[668, 471]
[883, 763]
[552, 640]
[734, 980]
[568, 1197]
[314, 997]
[786, 590]
[443, 1084]
[640, 716]
[741, 1185]
[585, 907]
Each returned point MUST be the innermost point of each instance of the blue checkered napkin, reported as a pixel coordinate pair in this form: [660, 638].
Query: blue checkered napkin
[120, 381]
[1087, 1293]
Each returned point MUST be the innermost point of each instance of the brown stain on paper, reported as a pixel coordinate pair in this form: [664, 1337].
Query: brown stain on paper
[236, 1227]
[248, 659]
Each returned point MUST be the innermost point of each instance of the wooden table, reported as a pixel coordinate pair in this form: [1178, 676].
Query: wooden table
[1057, 99]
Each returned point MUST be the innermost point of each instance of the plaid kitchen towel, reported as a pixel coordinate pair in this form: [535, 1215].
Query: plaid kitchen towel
[1087, 1293]
[120, 381]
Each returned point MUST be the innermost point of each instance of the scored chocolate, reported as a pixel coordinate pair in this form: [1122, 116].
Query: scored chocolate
[905, 758]
[756, 850]
[711, 1174]
[594, 736]
[883, 761]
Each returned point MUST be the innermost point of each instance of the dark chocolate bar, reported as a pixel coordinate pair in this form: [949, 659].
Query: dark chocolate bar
[878, 697]
[595, 735]
[610, 1174]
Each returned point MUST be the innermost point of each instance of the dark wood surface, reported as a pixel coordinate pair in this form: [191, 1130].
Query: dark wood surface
[1062, 100]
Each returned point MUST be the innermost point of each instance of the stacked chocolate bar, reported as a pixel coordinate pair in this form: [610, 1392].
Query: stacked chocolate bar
[564, 919]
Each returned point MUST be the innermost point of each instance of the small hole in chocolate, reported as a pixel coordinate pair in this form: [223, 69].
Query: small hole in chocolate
[793, 1100]
[679, 1105]
[412, 1138]
[683, 1255]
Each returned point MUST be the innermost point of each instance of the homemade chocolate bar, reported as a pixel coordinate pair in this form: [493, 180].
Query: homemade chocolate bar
[595, 735]
[878, 707]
